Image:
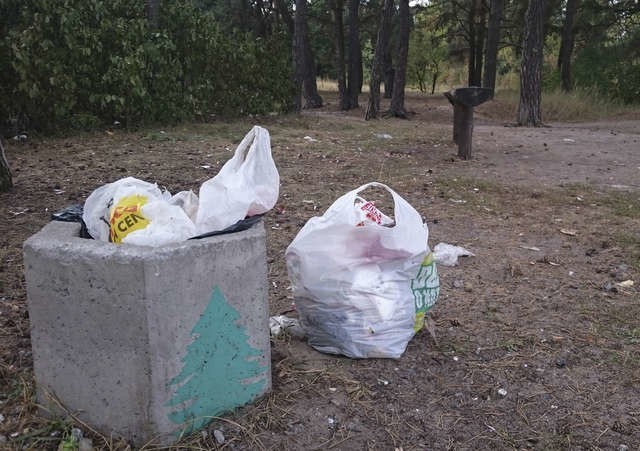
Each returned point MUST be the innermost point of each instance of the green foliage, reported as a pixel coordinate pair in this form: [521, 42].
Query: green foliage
[428, 53]
[77, 63]
[611, 70]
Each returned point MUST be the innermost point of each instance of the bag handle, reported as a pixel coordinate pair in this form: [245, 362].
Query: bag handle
[247, 145]
[406, 217]
[403, 213]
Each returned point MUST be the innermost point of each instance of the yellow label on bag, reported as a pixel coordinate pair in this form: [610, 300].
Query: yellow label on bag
[126, 217]
[425, 287]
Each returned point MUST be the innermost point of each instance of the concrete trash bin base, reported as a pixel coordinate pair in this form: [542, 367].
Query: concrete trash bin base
[148, 343]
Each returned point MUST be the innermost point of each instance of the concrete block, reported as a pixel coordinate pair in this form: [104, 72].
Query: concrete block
[144, 342]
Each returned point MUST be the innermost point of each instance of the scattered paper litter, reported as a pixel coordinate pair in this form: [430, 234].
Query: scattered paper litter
[447, 254]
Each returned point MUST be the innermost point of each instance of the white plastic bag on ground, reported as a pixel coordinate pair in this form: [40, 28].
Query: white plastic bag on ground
[362, 282]
[447, 254]
[247, 185]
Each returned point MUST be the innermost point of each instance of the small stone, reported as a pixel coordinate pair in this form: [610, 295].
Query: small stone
[1, 418]
[561, 363]
[219, 436]
[458, 283]
[623, 447]
[502, 392]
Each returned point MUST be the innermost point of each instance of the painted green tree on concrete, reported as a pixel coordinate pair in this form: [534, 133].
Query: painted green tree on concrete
[221, 370]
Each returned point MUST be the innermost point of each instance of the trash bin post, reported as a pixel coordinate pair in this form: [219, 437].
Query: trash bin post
[148, 343]
[463, 101]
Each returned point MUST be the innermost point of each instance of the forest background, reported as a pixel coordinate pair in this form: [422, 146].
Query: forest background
[76, 64]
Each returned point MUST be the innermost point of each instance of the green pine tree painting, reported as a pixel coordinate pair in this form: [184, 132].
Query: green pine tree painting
[221, 370]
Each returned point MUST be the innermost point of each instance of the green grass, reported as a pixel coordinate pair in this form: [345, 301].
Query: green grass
[623, 204]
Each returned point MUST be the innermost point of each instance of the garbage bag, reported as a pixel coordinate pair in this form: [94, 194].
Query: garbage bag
[137, 212]
[247, 185]
[133, 211]
[362, 282]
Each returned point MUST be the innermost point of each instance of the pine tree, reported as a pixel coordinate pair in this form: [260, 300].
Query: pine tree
[220, 371]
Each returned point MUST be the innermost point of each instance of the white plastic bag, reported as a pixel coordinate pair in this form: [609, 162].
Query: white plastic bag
[362, 283]
[447, 254]
[247, 185]
[137, 212]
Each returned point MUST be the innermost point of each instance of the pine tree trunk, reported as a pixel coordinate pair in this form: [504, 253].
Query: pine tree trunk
[493, 38]
[6, 182]
[529, 111]
[354, 82]
[566, 46]
[480, 38]
[305, 74]
[472, 43]
[400, 76]
[373, 106]
[337, 7]
[476, 42]
[389, 73]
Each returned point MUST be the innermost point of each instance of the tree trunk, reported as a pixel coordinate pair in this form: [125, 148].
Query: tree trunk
[529, 112]
[493, 38]
[6, 183]
[389, 72]
[566, 46]
[480, 37]
[337, 7]
[476, 42]
[472, 44]
[354, 82]
[400, 76]
[152, 9]
[373, 107]
[305, 74]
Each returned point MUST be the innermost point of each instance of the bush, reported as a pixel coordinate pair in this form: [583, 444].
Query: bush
[611, 70]
[78, 63]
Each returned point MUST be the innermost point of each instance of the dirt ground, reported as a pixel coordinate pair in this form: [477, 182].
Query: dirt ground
[536, 340]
